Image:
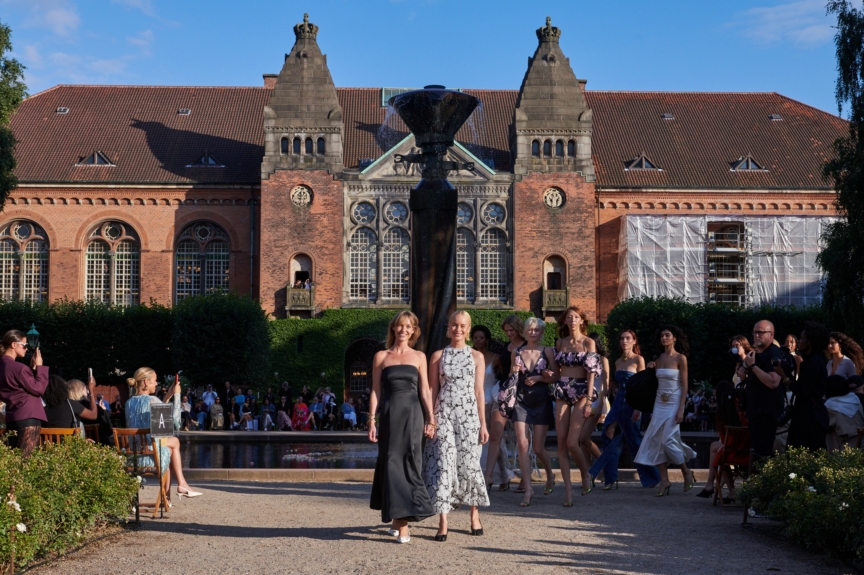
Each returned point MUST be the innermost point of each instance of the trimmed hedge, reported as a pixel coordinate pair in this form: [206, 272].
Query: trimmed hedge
[709, 327]
[61, 492]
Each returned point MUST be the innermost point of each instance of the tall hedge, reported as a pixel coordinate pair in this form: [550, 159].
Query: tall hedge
[709, 327]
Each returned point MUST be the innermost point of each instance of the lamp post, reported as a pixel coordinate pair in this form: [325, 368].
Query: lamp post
[32, 337]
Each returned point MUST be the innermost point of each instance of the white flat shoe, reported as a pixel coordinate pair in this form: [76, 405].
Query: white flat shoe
[188, 493]
[403, 539]
[393, 532]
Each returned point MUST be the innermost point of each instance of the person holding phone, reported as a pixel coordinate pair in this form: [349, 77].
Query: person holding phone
[21, 389]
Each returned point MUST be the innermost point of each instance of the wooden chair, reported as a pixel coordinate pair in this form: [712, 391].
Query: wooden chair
[860, 437]
[56, 434]
[142, 460]
[91, 432]
[734, 458]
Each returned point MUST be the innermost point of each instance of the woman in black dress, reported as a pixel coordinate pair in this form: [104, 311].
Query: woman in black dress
[805, 429]
[398, 490]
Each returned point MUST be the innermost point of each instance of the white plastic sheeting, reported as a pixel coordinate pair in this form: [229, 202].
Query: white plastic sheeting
[667, 256]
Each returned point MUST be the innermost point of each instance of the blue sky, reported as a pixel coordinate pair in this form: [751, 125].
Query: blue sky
[670, 45]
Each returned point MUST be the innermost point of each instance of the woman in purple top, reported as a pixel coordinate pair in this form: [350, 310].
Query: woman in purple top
[21, 389]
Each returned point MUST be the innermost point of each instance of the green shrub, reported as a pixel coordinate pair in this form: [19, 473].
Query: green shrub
[62, 491]
[221, 337]
[709, 327]
[817, 496]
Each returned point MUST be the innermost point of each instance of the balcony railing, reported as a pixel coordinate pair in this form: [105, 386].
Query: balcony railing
[726, 272]
[556, 299]
[726, 241]
[301, 299]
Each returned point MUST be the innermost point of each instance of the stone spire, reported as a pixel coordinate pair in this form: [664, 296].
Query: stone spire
[551, 113]
[303, 120]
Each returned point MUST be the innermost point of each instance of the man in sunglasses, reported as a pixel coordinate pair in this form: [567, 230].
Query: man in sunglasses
[764, 390]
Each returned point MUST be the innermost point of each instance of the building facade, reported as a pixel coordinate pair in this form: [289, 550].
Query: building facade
[136, 193]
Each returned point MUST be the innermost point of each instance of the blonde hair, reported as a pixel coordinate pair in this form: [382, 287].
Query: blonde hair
[459, 312]
[137, 381]
[399, 319]
[77, 389]
[532, 322]
[516, 323]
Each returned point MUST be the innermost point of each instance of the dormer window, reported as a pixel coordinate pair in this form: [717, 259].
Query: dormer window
[95, 159]
[641, 163]
[63, 110]
[208, 160]
[184, 112]
[747, 163]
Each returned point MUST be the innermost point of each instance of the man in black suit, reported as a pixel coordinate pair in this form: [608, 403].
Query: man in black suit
[764, 390]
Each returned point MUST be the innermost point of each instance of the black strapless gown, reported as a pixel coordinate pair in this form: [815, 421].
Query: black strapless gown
[398, 490]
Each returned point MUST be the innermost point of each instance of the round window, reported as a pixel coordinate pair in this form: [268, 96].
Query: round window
[21, 231]
[203, 232]
[553, 197]
[493, 214]
[363, 213]
[464, 214]
[113, 231]
[301, 196]
[396, 213]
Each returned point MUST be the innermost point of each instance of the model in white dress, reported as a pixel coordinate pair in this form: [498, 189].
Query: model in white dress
[502, 474]
[662, 442]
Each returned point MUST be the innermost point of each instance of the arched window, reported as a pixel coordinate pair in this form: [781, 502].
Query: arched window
[363, 265]
[322, 146]
[535, 148]
[559, 148]
[396, 265]
[571, 149]
[203, 260]
[493, 265]
[547, 148]
[466, 256]
[308, 146]
[296, 146]
[23, 261]
[554, 273]
[113, 264]
[285, 146]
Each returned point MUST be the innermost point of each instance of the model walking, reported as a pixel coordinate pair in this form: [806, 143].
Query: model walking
[398, 373]
[662, 445]
[574, 392]
[452, 457]
[480, 338]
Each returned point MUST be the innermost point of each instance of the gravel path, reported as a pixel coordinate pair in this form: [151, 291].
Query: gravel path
[264, 528]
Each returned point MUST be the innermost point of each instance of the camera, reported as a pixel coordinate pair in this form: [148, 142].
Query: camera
[734, 352]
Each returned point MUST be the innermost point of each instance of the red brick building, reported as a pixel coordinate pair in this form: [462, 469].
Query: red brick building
[133, 193]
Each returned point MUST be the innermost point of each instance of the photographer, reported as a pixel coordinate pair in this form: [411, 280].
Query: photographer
[764, 390]
[20, 389]
[807, 427]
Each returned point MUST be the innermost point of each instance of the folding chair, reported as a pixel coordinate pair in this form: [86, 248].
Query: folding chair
[142, 460]
[56, 434]
[91, 432]
[734, 458]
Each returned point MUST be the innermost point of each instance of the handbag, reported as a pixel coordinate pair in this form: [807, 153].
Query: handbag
[641, 390]
[75, 422]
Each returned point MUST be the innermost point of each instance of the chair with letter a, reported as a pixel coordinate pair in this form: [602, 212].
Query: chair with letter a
[142, 459]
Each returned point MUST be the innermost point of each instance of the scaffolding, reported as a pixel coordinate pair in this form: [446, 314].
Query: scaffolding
[738, 260]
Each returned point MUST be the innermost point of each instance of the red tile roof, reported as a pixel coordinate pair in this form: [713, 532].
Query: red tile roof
[139, 130]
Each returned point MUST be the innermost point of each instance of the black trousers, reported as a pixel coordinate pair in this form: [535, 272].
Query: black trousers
[763, 429]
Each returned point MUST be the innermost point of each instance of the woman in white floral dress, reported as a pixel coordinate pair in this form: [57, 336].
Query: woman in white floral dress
[451, 466]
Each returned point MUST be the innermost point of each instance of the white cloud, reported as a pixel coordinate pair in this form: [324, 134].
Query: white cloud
[803, 22]
[59, 16]
[146, 6]
[109, 67]
[32, 58]
[142, 39]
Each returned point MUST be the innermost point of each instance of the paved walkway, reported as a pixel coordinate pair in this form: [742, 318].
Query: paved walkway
[263, 528]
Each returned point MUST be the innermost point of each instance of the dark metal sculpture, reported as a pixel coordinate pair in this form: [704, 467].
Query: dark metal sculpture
[434, 115]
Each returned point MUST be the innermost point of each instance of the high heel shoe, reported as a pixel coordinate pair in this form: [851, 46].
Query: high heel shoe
[504, 487]
[549, 489]
[705, 494]
[526, 502]
[587, 491]
[608, 486]
[593, 479]
[664, 492]
[187, 493]
[688, 485]
[568, 503]
[440, 537]
[476, 532]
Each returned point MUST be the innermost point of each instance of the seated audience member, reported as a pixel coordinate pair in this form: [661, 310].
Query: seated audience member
[845, 414]
[199, 415]
[302, 419]
[233, 412]
[217, 415]
[269, 395]
[247, 417]
[100, 401]
[79, 392]
[118, 418]
[268, 413]
[283, 414]
[209, 397]
[185, 411]
[239, 396]
[349, 414]
[61, 410]
[317, 412]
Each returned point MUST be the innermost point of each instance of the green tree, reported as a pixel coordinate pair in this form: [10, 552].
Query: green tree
[843, 252]
[12, 92]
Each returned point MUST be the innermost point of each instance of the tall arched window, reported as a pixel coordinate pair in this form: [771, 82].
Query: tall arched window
[285, 146]
[466, 255]
[535, 148]
[547, 148]
[308, 146]
[203, 260]
[296, 146]
[322, 146]
[363, 265]
[571, 149]
[559, 148]
[23, 261]
[395, 262]
[493, 265]
[113, 264]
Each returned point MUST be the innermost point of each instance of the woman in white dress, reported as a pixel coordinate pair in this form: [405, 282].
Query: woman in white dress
[480, 338]
[662, 445]
[451, 468]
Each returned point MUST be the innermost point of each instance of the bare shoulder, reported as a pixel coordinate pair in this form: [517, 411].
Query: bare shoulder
[682, 360]
[437, 355]
[589, 344]
[478, 357]
[379, 357]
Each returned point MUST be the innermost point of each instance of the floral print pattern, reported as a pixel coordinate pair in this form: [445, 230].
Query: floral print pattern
[451, 466]
[570, 389]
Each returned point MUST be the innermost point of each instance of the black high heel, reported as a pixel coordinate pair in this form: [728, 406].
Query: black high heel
[705, 494]
[476, 532]
[441, 537]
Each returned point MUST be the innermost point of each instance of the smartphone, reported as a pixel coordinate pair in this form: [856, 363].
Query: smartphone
[89, 374]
